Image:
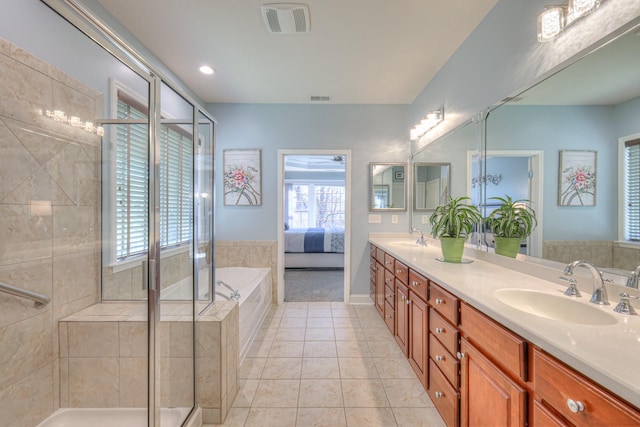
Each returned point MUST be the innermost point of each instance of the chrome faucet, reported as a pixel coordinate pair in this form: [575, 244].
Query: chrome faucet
[235, 293]
[420, 241]
[632, 281]
[599, 295]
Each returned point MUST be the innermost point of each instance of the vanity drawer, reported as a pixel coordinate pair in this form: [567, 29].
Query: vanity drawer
[418, 284]
[506, 349]
[444, 397]
[444, 360]
[372, 250]
[402, 272]
[389, 295]
[389, 316]
[445, 303]
[388, 278]
[443, 331]
[389, 262]
[557, 385]
[380, 255]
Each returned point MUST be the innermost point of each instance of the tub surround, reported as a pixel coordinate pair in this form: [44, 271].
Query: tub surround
[600, 252]
[607, 354]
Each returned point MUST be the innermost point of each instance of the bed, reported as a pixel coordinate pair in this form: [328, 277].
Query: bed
[314, 248]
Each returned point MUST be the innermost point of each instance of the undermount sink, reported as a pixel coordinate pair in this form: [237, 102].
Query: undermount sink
[405, 243]
[556, 307]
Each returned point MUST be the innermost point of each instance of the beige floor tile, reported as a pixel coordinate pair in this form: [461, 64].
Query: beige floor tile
[320, 349]
[293, 322]
[320, 334]
[343, 312]
[353, 349]
[320, 304]
[346, 322]
[259, 349]
[271, 322]
[370, 417]
[266, 334]
[276, 394]
[296, 305]
[323, 367]
[357, 368]
[394, 367]
[418, 417]
[378, 334]
[349, 334]
[367, 393]
[385, 349]
[290, 334]
[316, 393]
[271, 417]
[235, 418]
[246, 392]
[321, 417]
[286, 349]
[251, 368]
[317, 312]
[406, 393]
[320, 322]
[294, 312]
[287, 368]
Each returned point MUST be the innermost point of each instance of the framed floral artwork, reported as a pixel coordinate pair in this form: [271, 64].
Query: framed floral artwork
[577, 178]
[242, 169]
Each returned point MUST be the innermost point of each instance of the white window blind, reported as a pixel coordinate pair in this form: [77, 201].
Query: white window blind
[314, 205]
[132, 199]
[632, 190]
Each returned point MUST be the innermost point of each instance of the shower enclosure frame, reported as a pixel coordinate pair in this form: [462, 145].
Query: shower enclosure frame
[94, 28]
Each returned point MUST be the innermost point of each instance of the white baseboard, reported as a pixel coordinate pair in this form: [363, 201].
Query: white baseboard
[360, 299]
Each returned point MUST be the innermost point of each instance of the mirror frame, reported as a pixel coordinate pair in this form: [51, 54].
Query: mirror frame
[414, 183]
[405, 191]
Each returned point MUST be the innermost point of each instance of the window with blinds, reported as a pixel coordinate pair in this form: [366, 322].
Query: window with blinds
[632, 190]
[132, 198]
[314, 205]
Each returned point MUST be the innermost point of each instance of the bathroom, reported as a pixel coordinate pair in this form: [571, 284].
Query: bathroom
[58, 246]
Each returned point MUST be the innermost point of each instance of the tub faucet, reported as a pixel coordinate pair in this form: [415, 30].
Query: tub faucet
[420, 241]
[632, 281]
[599, 295]
[235, 293]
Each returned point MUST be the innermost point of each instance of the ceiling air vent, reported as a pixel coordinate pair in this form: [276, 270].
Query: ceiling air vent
[315, 98]
[286, 18]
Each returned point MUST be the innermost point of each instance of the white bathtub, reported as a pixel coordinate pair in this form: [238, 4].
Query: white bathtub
[254, 285]
[110, 417]
[183, 290]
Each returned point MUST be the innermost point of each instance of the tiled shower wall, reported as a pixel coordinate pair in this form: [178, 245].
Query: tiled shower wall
[603, 253]
[49, 225]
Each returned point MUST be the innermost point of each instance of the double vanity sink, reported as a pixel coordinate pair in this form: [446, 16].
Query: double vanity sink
[593, 339]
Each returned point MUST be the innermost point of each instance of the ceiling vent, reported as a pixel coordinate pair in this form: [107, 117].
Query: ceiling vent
[286, 18]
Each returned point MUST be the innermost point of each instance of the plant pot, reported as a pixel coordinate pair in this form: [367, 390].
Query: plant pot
[508, 246]
[452, 248]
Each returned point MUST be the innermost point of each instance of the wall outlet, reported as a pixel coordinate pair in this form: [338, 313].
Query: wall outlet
[375, 219]
[424, 219]
[394, 219]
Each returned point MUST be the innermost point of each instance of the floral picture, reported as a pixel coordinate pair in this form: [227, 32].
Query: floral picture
[242, 171]
[577, 178]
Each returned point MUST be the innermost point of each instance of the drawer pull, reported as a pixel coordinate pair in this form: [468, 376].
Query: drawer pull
[398, 271]
[439, 301]
[575, 406]
[439, 394]
[387, 280]
[389, 295]
[414, 283]
[387, 263]
[408, 301]
[439, 358]
[439, 330]
[388, 317]
[460, 355]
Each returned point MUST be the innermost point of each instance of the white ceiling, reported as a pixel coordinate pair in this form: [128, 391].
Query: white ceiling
[357, 52]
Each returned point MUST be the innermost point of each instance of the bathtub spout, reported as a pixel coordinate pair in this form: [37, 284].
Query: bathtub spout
[220, 294]
[235, 293]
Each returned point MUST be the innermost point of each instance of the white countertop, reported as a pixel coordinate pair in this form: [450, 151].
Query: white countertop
[608, 354]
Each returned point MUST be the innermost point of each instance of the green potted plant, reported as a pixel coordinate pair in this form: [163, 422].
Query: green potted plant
[510, 223]
[452, 223]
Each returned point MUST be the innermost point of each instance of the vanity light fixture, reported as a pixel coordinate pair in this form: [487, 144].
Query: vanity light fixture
[554, 19]
[427, 123]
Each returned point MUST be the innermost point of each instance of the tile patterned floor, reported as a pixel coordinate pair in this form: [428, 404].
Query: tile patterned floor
[328, 364]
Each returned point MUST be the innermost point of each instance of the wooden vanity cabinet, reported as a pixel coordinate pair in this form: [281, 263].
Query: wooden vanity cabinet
[568, 398]
[418, 353]
[402, 317]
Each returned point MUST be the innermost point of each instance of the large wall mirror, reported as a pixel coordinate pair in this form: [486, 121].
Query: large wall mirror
[451, 159]
[567, 135]
[388, 186]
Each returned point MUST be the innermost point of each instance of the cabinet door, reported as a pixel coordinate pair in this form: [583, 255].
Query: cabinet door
[418, 338]
[402, 317]
[488, 397]
[380, 288]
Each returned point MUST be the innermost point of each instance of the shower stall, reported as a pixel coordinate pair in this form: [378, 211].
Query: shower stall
[106, 202]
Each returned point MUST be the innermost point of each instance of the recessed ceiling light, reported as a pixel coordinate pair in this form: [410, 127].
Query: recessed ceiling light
[205, 69]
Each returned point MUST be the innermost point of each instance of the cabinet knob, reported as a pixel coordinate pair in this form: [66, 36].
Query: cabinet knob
[408, 301]
[439, 394]
[439, 358]
[439, 330]
[460, 355]
[575, 406]
[414, 283]
[439, 301]
[389, 296]
[388, 317]
[398, 271]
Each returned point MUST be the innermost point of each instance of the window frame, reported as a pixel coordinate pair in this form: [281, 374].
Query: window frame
[622, 184]
[312, 202]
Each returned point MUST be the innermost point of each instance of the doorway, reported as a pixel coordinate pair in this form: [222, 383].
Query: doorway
[314, 225]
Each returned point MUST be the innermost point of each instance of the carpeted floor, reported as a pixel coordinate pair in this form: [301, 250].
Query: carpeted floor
[312, 285]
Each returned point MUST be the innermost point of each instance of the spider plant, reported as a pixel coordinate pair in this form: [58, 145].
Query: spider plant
[454, 218]
[514, 218]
